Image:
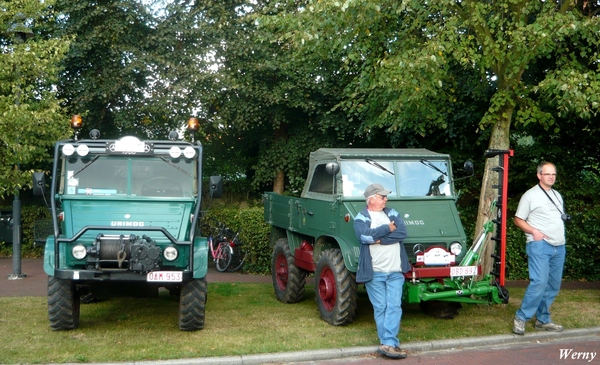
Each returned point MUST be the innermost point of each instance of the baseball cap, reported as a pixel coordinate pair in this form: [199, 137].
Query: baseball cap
[375, 189]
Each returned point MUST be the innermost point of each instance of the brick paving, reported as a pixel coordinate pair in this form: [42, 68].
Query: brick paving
[35, 281]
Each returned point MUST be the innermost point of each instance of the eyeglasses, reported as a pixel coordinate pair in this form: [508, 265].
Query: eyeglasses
[548, 174]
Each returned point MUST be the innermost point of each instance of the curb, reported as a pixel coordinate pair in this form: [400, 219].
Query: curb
[415, 347]
[498, 340]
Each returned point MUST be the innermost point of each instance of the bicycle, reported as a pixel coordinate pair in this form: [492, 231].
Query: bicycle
[238, 257]
[220, 249]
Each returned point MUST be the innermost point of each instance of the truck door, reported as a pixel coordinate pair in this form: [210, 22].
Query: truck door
[320, 212]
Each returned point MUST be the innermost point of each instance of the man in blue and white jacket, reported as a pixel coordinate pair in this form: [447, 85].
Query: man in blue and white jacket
[382, 262]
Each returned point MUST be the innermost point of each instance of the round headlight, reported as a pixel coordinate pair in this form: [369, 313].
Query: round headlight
[456, 248]
[79, 252]
[83, 150]
[189, 152]
[170, 253]
[68, 149]
[175, 152]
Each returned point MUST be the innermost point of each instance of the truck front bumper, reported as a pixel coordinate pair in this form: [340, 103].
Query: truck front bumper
[112, 275]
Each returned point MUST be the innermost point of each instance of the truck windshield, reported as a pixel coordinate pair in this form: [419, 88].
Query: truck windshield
[404, 178]
[417, 178]
[358, 174]
[131, 176]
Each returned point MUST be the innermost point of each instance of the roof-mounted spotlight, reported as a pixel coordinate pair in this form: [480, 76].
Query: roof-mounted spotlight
[76, 124]
[173, 135]
[94, 134]
[193, 127]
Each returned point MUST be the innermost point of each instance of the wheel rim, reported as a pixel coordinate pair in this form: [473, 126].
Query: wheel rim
[327, 289]
[281, 271]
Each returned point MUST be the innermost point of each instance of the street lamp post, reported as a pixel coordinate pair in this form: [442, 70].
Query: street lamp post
[21, 32]
[16, 226]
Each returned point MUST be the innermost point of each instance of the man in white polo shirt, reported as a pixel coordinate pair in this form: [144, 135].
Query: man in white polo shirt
[541, 215]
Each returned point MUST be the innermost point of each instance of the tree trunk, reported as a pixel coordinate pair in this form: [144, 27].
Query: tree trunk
[278, 183]
[499, 140]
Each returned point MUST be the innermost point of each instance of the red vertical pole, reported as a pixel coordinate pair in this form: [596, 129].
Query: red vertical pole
[503, 212]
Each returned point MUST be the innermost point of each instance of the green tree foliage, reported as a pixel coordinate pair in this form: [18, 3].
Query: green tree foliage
[267, 98]
[193, 79]
[406, 58]
[31, 118]
[113, 72]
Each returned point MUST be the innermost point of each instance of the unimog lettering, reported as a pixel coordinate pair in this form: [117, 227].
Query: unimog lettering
[414, 223]
[126, 224]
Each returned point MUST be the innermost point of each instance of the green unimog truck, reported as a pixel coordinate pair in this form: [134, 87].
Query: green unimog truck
[124, 216]
[314, 233]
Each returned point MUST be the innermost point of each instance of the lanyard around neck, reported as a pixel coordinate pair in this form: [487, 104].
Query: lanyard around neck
[545, 192]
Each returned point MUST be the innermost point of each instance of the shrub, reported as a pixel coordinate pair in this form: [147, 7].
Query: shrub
[582, 232]
[254, 233]
[29, 215]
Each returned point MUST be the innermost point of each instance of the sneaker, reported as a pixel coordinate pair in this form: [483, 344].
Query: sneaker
[551, 326]
[392, 352]
[403, 354]
[519, 326]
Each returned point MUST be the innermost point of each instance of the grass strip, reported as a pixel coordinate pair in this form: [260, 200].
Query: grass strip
[243, 319]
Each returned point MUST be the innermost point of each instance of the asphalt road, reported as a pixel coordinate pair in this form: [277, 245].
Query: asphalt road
[569, 349]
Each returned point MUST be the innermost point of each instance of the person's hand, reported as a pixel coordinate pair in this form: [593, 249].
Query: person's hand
[392, 226]
[538, 235]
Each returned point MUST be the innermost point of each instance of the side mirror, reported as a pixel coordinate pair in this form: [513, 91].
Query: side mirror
[332, 168]
[215, 184]
[469, 169]
[39, 183]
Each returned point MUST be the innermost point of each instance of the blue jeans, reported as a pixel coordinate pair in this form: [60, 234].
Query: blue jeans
[545, 275]
[385, 294]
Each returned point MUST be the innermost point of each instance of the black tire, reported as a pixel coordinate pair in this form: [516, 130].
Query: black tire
[192, 305]
[335, 289]
[222, 262]
[288, 279]
[238, 258]
[63, 304]
[504, 295]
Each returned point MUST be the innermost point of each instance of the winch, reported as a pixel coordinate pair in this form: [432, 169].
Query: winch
[127, 252]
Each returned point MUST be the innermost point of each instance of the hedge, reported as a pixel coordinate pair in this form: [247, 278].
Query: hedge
[583, 246]
[254, 233]
[30, 214]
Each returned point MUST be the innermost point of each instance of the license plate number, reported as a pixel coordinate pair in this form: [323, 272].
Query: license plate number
[463, 271]
[162, 276]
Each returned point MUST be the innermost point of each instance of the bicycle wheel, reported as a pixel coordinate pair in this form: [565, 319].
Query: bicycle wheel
[223, 256]
[238, 258]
